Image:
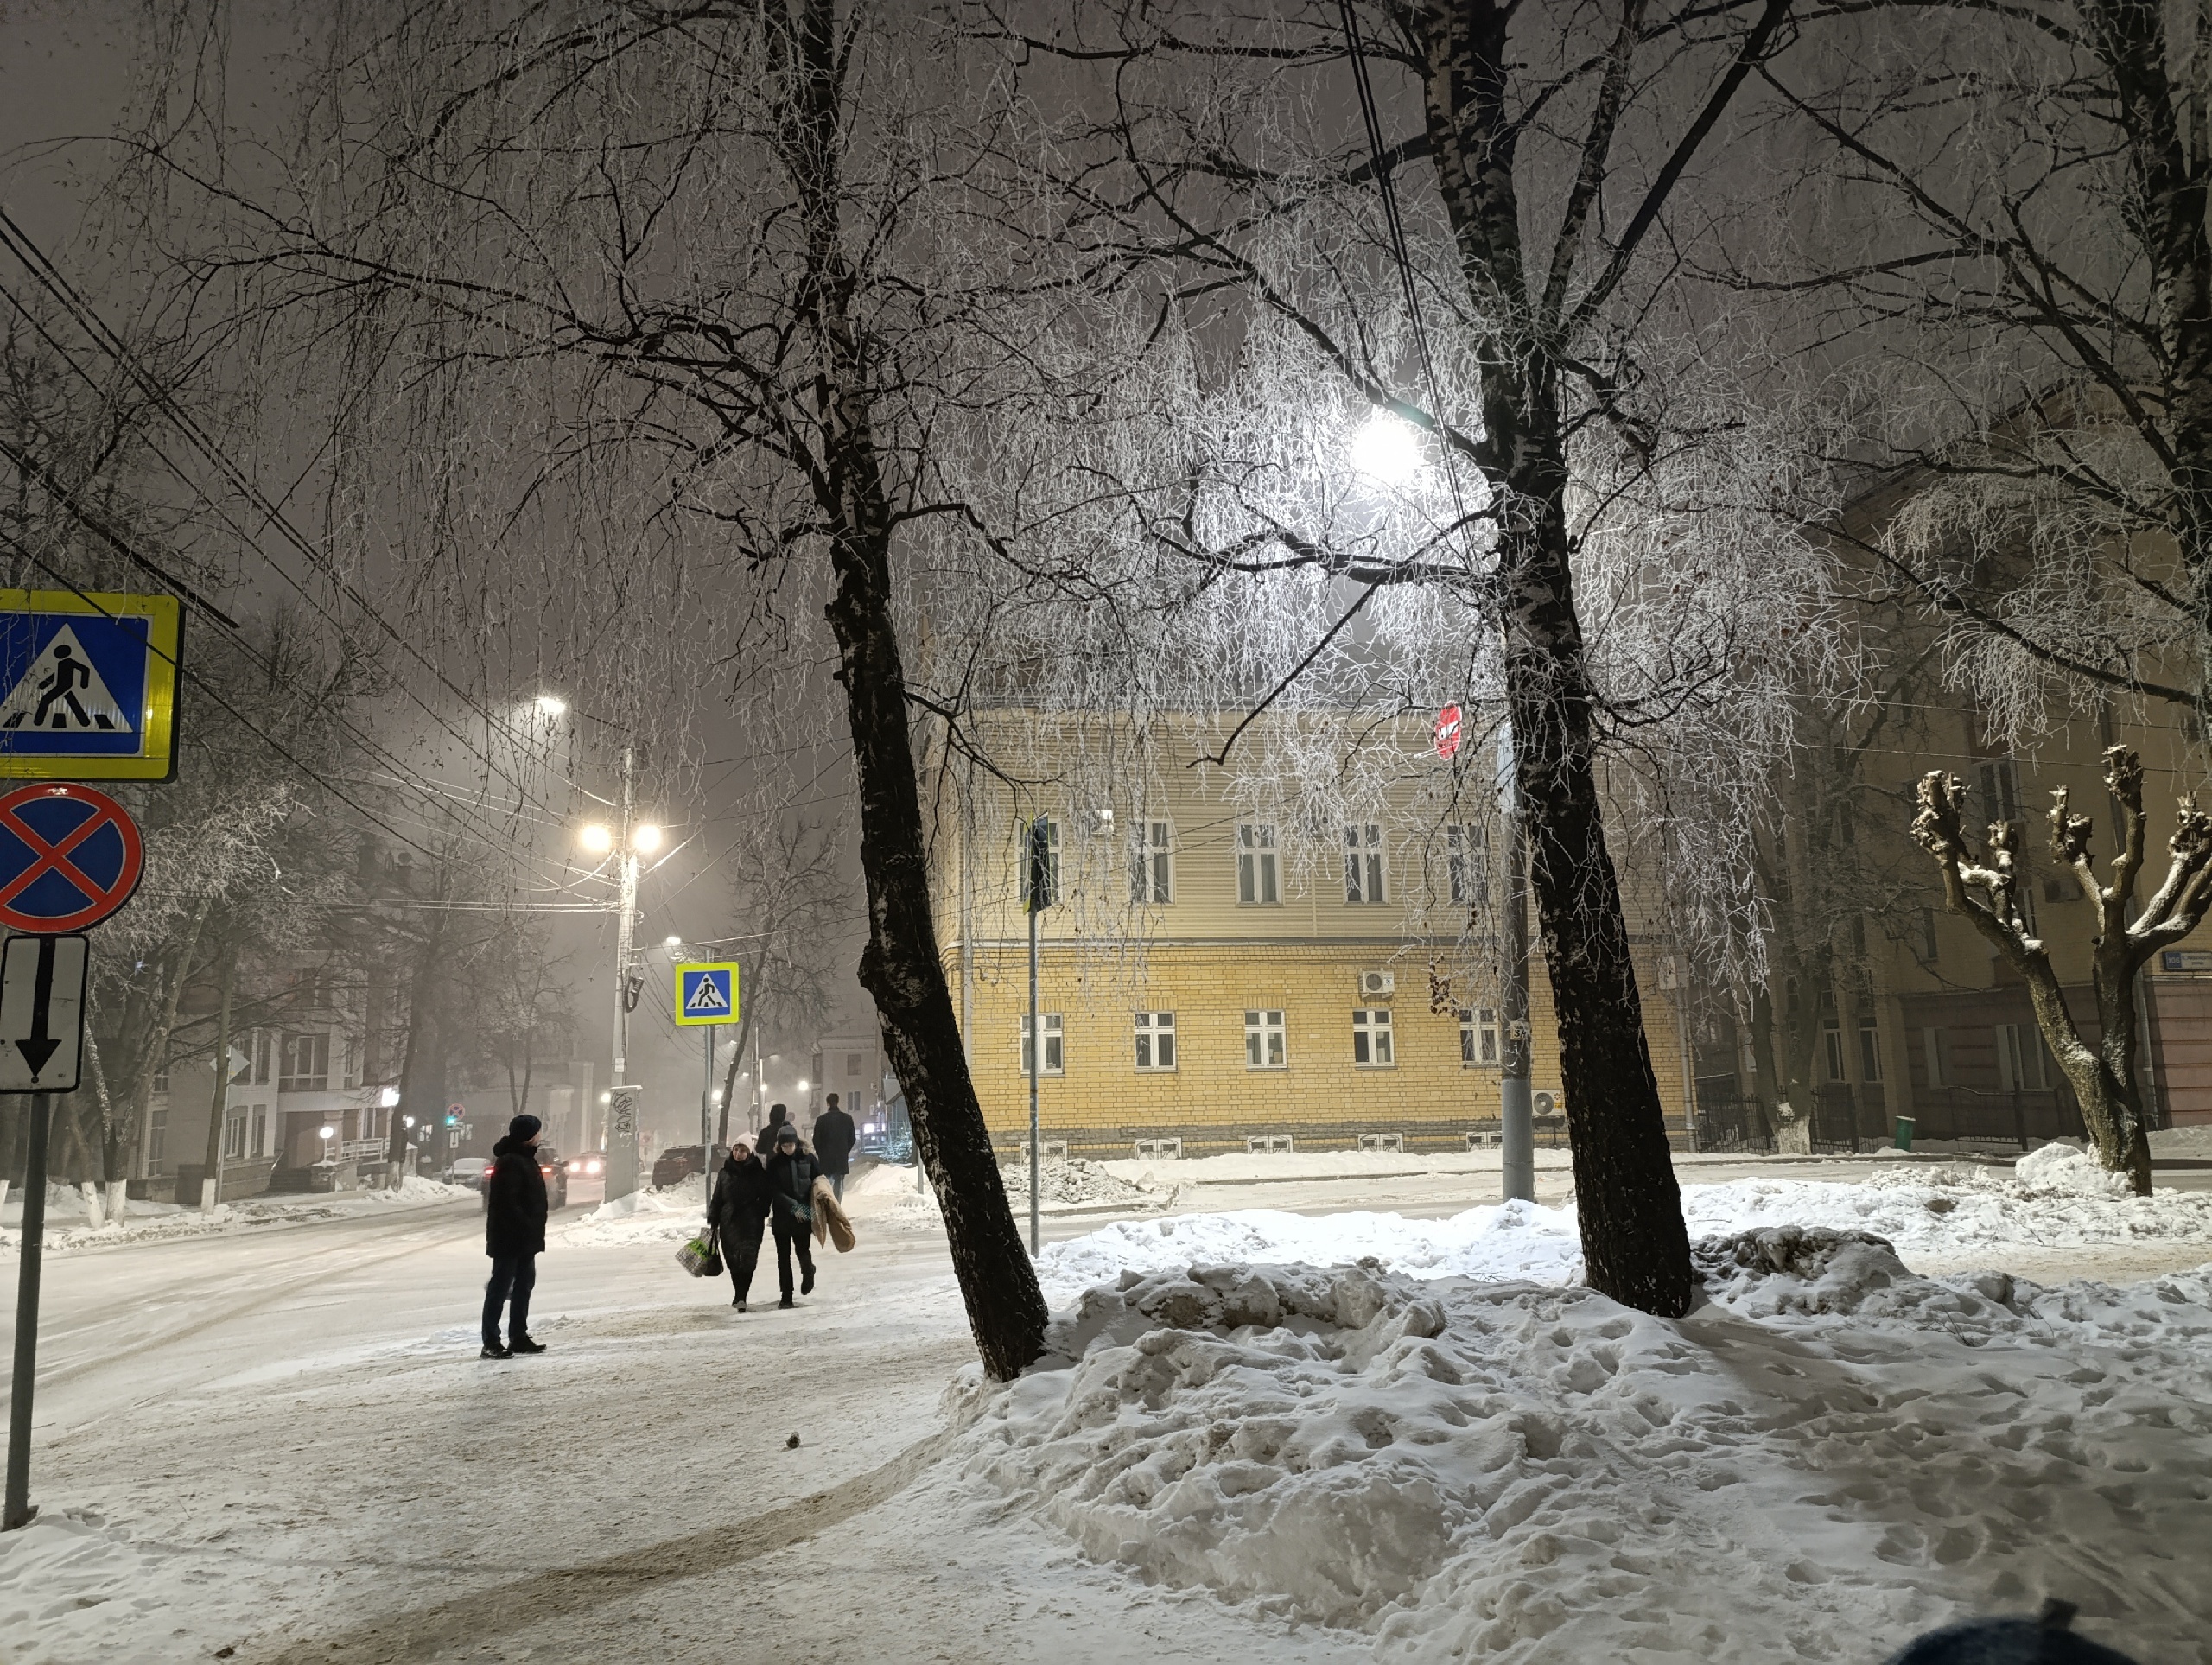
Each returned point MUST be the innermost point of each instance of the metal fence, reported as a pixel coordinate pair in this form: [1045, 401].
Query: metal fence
[1848, 1118]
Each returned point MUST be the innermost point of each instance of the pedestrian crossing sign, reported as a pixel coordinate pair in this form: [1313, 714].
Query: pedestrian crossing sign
[707, 993]
[88, 685]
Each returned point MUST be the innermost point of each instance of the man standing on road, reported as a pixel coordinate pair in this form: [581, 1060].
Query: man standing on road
[834, 1140]
[791, 1174]
[514, 1236]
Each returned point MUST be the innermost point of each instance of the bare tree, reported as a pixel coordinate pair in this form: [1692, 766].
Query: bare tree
[2102, 1074]
[786, 888]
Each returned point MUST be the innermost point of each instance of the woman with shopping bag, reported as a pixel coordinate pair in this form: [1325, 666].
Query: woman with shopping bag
[736, 1213]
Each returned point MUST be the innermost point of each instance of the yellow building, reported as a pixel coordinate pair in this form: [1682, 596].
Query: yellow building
[1225, 971]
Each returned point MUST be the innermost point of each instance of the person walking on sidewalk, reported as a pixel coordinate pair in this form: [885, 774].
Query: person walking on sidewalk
[737, 1211]
[791, 1173]
[834, 1139]
[778, 1118]
[514, 1236]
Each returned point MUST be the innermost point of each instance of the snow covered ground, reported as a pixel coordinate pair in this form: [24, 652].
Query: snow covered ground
[69, 1217]
[1269, 1435]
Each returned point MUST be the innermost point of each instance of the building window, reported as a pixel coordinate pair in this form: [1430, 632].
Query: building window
[1928, 948]
[157, 1138]
[1467, 863]
[1364, 863]
[233, 1135]
[1478, 1035]
[1054, 1056]
[1832, 1045]
[2019, 1058]
[307, 1064]
[161, 1083]
[1265, 1045]
[2000, 790]
[1932, 1054]
[1155, 1041]
[852, 1066]
[1257, 878]
[1371, 1037]
[255, 1047]
[1870, 1050]
[1152, 864]
[260, 1146]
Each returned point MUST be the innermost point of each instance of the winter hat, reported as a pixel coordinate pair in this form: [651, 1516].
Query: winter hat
[2042, 1640]
[524, 1128]
[786, 1133]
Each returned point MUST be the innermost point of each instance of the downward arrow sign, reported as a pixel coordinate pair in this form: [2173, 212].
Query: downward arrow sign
[38, 1046]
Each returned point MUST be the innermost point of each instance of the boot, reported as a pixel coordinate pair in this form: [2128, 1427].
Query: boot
[786, 1302]
[524, 1344]
[492, 1350]
[806, 1282]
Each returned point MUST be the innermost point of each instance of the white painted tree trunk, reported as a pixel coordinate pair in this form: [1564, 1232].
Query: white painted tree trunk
[118, 1200]
[5, 1184]
[91, 1191]
[1793, 1134]
[208, 1196]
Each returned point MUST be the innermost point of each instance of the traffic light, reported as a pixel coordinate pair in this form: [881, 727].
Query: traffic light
[452, 1122]
[1042, 892]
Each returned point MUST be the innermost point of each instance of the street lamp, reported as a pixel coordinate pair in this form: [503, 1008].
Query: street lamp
[326, 1134]
[1387, 449]
[550, 705]
[596, 838]
[645, 840]
[673, 943]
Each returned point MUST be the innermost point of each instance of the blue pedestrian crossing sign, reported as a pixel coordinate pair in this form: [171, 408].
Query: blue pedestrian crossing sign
[88, 685]
[707, 993]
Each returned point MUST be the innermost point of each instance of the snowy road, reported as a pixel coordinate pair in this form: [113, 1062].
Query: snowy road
[279, 1441]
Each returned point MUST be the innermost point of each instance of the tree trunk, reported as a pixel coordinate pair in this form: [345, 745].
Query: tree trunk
[2125, 1145]
[211, 1181]
[900, 966]
[421, 1019]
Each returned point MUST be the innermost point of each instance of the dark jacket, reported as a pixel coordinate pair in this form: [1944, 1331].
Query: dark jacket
[740, 1198]
[763, 1145]
[790, 1186]
[514, 1203]
[834, 1139]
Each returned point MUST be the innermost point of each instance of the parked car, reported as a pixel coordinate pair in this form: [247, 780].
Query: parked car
[466, 1171]
[672, 1164]
[549, 1164]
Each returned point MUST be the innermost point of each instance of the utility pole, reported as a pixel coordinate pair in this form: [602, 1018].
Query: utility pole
[622, 1118]
[1038, 896]
[1516, 1131]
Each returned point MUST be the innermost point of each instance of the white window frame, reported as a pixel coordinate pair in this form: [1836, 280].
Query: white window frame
[1869, 1048]
[1466, 863]
[1056, 1058]
[1155, 1042]
[1372, 1045]
[258, 1141]
[234, 1133]
[2019, 1058]
[1259, 869]
[1931, 1043]
[1478, 1035]
[1151, 862]
[1267, 1039]
[1364, 867]
[1832, 1047]
[291, 1078]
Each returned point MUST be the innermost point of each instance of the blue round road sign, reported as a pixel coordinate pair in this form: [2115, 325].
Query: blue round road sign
[69, 857]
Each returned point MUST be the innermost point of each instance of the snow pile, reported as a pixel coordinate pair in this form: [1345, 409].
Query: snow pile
[883, 1194]
[73, 1583]
[1827, 1457]
[416, 1190]
[674, 1215]
[1239, 1167]
[1515, 1239]
[2053, 1197]
[1071, 1182]
[2190, 1142]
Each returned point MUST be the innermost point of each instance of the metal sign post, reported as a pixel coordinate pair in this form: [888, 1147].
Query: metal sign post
[19, 1509]
[1038, 893]
[706, 995]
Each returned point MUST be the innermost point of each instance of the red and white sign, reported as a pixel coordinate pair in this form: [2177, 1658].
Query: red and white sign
[69, 857]
[1447, 733]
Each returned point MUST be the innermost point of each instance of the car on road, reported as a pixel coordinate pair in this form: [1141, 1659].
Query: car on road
[549, 1164]
[466, 1171]
[589, 1165]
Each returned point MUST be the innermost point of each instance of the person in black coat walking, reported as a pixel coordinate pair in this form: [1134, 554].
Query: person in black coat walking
[738, 1210]
[791, 1173]
[778, 1119]
[834, 1139]
[514, 1236]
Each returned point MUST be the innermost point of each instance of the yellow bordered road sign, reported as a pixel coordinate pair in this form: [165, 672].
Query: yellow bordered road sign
[88, 685]
[706, 992]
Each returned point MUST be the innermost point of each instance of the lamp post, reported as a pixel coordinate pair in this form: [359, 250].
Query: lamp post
[626, 842]
[327, 1133]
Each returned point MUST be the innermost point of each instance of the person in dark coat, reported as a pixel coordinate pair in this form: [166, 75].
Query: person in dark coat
[514, 1236]
[834, 1139]
[738, 1210]
[778, 1117]
[791, 1173]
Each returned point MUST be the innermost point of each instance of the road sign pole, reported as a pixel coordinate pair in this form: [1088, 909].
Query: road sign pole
[1516, 1136]
[18, 1509]
[707, 1113]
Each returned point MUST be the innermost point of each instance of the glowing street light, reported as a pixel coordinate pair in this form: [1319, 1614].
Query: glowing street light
[673, 943]
[326, 1134]
[1387, 449]
[550, 705]
[645, 840]
[596, 837]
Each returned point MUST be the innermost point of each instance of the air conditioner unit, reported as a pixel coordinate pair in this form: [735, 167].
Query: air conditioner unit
[1382, 1141]
[1159, 1150]
[1547, 1103]
[1377, 983]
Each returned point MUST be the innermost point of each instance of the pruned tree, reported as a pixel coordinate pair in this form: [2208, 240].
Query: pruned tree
[787, 890]
[2102, 1074]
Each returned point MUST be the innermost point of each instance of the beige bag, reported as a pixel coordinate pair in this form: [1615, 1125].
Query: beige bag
[830, 1219]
